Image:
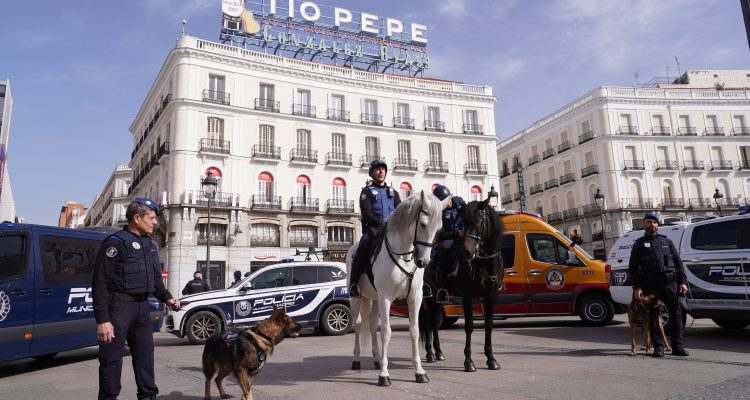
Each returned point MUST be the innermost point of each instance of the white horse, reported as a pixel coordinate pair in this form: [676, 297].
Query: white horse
[398, 272]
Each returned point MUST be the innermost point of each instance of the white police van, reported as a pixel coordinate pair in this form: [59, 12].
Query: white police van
[716, 256]
[314, 293]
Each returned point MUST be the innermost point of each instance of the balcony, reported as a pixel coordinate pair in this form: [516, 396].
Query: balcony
[552, 183]
[371, 119]
[585, 137]
[533, 159]
[339, 245]
[304, 110]
[536, 189]
[517, 196]
[400, 122]
[215, 146]
[338, 115]
[405, 164]
[216, 240]
[631, 130]
[554, 217]
[741, 131]
[672, 203]
[564, 146]
[721, 165]
[266, 152]
[303, 156]
[221, 199]
[267, 105]
[301, 204]
[567, 178]
[633, 165]
[590, 209]
[212, 96]
[687, 131]
[636, 203]
[743, 165]
[473, 129]
[734, 203]
[548, 153]
[336, 206]
[506, 200]
[665, 166]
[695, 202]
[436, 167]
[305, 242]
[660, 131]
[570, 214]
[516, 168]
[504, 173]
[365, 161]
[265, 202]
[693, 166]
[342, 159]
[163, 150]
[265, 241]
[434, 126]
[590, 170]
[714, 131]
[475, 169]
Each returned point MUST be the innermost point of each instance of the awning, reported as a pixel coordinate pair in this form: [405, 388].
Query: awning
[217, 221]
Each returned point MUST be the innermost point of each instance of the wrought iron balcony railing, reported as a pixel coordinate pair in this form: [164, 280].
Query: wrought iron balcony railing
[564, 146]
[665, 166]
[515, 168]
[303, 155]
[533, 159]
[672, 203]
[220, 199]
[692, 165]
[548, 153]
[434, 126]
[339, 206]
[371, 119]
[475, 169]
[585, 137]
[265, 202]
[473, 129]
[267, 105]
[405, 164]
[714, 131]
[628, 130]
[334, 158]
[216, 240]
[305, 242]
[590, 209]
[552, 183]
[554, 217]
[590, 170]
[536, 189]
[212, 96]
[506, 200]
[741, 131]
[268, 152]
[338, 115]
[302, 204]
[743, 165]
[304, 110]
[633, 165]
[567, 178]
[215, 146]
[687, 131]
[636, 203]
[695, 202]
[265, 241]
[440, 167]
[660, 131]
[401, 122]
[516, 196]
[570, 214]
[504, 173]
[721, 165]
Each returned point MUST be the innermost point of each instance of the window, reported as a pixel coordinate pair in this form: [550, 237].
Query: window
[372, 148]
[272, 278]
[337, 104]
[335, 273]
[683, 121]
[476, 193]
[215, 128]
[370, 111]
[720, 235]
[402, 115]
[508, 250]
[404, 150]
[266, 92]
[433, 118]
[338, 146]
[216, 87]
[588, 158]
[12, 257]
[738, 121]
[303, 236]
[745, 157]
[340, 235]
[302, 102]
[303, 141]
[625, 121]
[405, 190]
[585, 127]
[68, 261]
[305, 275]
[266, 188]
[662, 153]
[471, 119]
[217, 235]
[436, 154]
[472, 155]
[716, 154]
[657, 122]
[546, 248]
[637, 223]
[302, 191]
[266, 137]
[264, 235]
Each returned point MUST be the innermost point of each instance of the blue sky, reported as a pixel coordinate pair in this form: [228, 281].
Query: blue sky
[79, 70]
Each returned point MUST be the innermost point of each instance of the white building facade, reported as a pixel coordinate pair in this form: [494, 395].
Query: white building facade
[7, 204]
[290, 142]
[108, 209]
[664, 149]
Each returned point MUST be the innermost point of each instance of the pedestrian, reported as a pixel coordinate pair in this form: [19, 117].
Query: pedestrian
[376, 202]
[448, 241]
[656, 269]
[576, 237]
[127, 269]
[237, 279]
[196, 285]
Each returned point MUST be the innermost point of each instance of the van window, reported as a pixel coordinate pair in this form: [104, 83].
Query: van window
[717, 236]
[270, 279]
[508, 250]
[12, 257]
[304, 275]
[546, 248]
[335, 273]
[68, 261]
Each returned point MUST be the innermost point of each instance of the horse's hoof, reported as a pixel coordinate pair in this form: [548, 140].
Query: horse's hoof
[469, 366]
[377, 364]
[356, 365]
[430, 358]
[422, 378]
[440, 357]
[384, 381]
[493, 365]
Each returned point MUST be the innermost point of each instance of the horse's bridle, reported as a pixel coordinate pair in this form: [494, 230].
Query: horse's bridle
[395, 257]
[478, 253]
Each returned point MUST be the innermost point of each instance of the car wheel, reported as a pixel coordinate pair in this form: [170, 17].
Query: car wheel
[731, 324]
[201, 326]
[336, 320]
[44, 357]
[596, 310]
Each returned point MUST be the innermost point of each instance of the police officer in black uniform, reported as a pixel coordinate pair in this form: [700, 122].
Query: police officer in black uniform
[376, 202]
[128, 269]
[197, 284]
[447, 240]
[656, 269]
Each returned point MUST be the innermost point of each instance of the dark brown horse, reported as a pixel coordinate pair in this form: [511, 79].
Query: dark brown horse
[479, 278]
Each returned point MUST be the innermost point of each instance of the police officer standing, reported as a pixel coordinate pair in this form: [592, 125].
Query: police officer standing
[656, 269]
[447, 240]
[376, 202]
[128, 269]
[197, 284]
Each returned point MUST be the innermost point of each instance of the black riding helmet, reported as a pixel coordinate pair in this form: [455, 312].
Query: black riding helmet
[441, 192]
[377, 163]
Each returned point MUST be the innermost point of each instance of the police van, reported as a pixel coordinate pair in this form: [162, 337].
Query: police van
[314, 293]
[45, 290]
[716, 257]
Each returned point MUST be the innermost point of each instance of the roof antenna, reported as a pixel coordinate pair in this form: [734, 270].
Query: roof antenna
[667, 67]
[679, 72]
[184, 22]
[636, 80]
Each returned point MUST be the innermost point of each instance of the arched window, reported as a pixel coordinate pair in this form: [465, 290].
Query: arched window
[723, 187]
[694, 188]
[475, 193]
[216, 174]
[266, 188]
[264, 235]
[635, 189]
[405, 190]
[553, 206]
[338, 193]
[571, 199]
[667, 190]
[302, 190]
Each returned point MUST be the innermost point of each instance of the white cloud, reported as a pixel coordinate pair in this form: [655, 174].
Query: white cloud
[453, 8]
[183, 8]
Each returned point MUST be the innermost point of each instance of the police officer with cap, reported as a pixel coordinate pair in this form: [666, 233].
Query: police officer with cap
[447, 240]
[376, 202]
[656, 269]
[127, 269]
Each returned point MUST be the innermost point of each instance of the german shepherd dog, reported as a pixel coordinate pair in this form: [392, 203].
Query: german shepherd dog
[639, 312]
[244, 352]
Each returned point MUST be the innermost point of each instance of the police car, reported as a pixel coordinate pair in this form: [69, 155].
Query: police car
[716, 257]
[314, 293]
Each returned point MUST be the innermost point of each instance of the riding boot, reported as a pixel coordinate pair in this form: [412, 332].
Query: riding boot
[354, 290]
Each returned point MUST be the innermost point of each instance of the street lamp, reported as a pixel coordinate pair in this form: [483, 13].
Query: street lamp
[492, 195]
[599, 199]
[209, 190]
[718, 196]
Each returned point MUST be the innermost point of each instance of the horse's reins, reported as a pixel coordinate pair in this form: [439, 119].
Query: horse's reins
[395, 257]
[478, 253]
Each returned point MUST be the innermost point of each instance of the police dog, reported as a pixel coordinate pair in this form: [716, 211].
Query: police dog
[639, 312]
[244, 352]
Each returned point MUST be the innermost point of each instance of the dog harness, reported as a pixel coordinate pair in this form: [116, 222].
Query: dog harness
[231, 337]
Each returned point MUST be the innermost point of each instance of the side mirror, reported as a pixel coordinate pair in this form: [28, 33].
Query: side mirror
[248, 286]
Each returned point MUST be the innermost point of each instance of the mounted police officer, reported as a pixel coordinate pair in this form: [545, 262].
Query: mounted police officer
[656, 269]
[376, 202]
[447, 241]
[127, 269]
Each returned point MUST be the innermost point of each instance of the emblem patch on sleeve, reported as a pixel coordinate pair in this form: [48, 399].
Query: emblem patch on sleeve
[111, 252]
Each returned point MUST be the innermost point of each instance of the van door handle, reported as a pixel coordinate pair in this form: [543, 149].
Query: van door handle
[511, 272]
[18, 292]
[46, 291]
[535, 272]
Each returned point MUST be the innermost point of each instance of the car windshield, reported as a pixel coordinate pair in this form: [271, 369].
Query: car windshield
[568, 242]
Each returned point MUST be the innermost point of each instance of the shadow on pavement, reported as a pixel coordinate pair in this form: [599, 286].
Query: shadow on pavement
[26, 365]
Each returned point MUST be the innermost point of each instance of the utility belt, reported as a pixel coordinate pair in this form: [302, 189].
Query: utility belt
[127, 297]
[667, 275]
